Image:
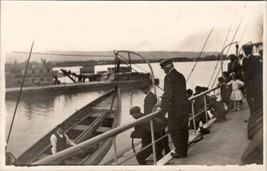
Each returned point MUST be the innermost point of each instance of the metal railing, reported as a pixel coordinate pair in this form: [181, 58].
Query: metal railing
[77, 149]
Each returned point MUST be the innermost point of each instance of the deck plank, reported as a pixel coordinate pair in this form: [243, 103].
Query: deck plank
[224, 145]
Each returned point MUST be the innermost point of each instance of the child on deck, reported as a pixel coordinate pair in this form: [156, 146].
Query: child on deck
[236, 94]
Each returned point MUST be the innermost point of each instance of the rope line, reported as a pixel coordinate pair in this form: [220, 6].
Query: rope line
[24, 76]
[200, 54]
[219, 60]
[227, 51]
[243, 33]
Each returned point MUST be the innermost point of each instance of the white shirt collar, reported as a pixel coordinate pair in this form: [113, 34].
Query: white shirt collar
[170, 70]
[59, 135]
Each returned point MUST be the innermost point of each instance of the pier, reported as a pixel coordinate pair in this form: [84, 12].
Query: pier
[96, 85]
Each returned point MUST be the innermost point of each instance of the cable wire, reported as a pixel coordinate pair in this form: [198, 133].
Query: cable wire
[219, 60]
[199, 54]
[24, 76]
[227, 51]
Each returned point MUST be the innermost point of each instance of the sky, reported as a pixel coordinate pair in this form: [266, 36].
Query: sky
[136, 26]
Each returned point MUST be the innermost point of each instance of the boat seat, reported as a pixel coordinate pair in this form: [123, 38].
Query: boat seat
[102, 129]
[80, 127]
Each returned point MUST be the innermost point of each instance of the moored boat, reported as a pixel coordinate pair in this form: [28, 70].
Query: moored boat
[99, 116]
[87, 79]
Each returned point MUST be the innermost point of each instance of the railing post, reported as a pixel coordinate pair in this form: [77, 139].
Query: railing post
[115, 150]
[205, 106]
[153, 142]
[193, 114]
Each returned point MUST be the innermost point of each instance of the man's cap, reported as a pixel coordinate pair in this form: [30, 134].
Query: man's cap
[135, 109]
[165, 62]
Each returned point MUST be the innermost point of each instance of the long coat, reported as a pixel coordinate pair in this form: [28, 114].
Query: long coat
[149, 102]
[174, 99]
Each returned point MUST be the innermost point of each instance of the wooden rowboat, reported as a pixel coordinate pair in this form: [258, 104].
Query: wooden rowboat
[101, 115]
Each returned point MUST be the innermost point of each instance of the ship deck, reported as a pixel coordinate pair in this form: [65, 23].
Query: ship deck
[224, 145]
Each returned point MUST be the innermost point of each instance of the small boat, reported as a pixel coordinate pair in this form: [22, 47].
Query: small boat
[99, 116]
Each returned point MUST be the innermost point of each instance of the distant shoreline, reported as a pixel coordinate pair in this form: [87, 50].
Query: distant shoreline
[109, 62]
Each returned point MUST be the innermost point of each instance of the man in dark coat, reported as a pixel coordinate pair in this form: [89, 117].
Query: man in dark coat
[149, 102]
[175, 102]
[143, 131]
[252, 69]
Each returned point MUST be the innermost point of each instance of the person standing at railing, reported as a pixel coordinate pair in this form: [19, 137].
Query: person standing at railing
[252, 71]
[143, 131]
[199, 106]
[234, 66]
[149, 102]
[175, 102]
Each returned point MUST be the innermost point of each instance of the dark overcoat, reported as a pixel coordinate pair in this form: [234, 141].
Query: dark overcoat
[149, 102]
[174, 99]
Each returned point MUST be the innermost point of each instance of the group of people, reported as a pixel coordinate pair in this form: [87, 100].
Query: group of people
[238, 80]
[241, 81]
[174, 101]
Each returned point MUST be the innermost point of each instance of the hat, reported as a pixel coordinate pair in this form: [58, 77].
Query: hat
[135, 109]
[165, 62]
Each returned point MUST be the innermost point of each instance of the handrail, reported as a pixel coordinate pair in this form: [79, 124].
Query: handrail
[74, 150]
[203, 93]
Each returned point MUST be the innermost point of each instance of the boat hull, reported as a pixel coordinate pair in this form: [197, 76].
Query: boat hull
[95, 118]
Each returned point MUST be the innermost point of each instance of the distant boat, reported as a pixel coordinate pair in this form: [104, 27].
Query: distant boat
[87, 80]
[101, 115]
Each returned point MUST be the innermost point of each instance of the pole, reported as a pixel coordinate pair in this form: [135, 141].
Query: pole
[13, 118]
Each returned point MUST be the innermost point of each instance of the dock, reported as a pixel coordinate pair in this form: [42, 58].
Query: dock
[95, 85]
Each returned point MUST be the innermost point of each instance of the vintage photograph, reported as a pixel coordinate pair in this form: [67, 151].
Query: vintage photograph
[128, 85]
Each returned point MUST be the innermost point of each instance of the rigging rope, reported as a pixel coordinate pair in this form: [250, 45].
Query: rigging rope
[199, 55]
[243, 34]
[13, 118]
[219, 60]
[227, 51]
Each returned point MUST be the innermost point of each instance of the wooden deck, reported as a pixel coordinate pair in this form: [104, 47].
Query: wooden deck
[224, 145]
